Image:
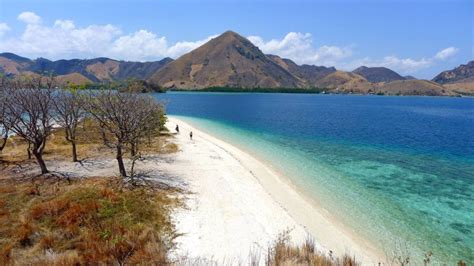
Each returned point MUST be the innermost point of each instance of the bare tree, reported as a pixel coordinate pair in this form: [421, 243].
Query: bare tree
[148, 122]
[28, 105]
[4, 125]
[4, 129]
[68, 113]
[125, 118]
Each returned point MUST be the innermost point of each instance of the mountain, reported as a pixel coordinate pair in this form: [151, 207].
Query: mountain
[228, 60]
[80, 71]
[413, 87]
[378, 74]
[344, 82]
[231, 60]
[459, 80]
[462, 73]
[12, 63]
[308, 73]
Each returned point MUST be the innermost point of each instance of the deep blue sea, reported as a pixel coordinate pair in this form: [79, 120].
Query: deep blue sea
[397, 170]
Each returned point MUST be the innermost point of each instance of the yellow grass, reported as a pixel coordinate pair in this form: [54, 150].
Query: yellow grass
[89, 145]
[282, 252]
[93, 220]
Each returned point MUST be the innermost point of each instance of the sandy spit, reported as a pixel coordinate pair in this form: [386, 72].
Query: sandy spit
[237, 204]
[241, 204]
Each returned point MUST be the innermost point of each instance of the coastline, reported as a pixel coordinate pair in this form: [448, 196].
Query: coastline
[285, 199]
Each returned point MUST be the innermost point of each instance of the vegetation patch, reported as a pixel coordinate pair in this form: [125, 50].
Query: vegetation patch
[282, 252]
[94, 220]
[261, 90]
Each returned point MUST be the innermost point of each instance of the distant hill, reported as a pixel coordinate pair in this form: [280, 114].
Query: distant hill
[378, 74]
[80, 71]
[232, 62]
[306, 73]
[459, 80]
[462, 73]
[409, 77]
[412, 87]
[228, 60]
[344, 82]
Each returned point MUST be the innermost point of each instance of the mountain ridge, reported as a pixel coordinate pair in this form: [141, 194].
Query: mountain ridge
[462, 73]
[232, 61]
[101, 69]
[378, 74]
[227, 60]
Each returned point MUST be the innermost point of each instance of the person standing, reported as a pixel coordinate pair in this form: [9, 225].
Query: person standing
[177, 128]
[191, 135]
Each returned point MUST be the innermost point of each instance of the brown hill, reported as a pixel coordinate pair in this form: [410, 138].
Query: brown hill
[308, 74]
[378, 74]
[104, 71]
[462, 73]
[11, 63]
[412, 87]
[73, 78]
[461, 88]
[345, 82]
[80, 71]
[229, 60]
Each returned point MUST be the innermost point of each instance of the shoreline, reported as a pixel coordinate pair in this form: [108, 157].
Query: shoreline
[329, 233]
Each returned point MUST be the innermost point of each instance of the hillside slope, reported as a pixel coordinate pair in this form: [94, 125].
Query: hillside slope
[413, 87]
[307, 73]
[460, 74]
[228, 60]
[80, 71]
[378, 74]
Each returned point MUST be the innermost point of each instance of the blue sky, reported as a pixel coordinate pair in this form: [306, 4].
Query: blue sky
[419, 38]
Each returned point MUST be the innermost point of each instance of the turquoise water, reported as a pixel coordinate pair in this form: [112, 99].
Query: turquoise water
[398, 170]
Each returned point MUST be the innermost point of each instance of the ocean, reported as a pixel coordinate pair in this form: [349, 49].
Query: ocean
[399, 171]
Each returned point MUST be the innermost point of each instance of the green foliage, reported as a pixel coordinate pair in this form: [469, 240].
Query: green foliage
[139, 86]
[129, 85]
[257, 89]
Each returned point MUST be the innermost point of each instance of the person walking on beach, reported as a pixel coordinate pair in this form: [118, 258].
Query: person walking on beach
[191, 135]
[177, 128]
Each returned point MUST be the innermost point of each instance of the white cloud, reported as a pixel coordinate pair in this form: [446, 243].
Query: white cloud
[446, 53]
[140, 45]
[4, 28]
[145, 45]
[183, 47]
[64, 39]
[29, 18]
[402, 65]
[64, 24]
[299, 47]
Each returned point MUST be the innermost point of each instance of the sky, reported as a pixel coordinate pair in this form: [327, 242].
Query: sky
[419, 38]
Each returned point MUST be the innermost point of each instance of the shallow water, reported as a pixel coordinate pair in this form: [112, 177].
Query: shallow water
[398, 170]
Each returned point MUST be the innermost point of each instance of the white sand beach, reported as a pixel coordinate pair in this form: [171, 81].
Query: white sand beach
[237, 204]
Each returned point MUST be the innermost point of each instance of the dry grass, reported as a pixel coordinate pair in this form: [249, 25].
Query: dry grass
[93, 220]
[89, 145]
[282, 252]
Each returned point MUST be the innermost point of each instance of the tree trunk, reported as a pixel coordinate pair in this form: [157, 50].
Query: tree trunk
[4, 142]
[39, 159]
[133, 149]
[71, 137]
[74, 152]
[29, 151]
[123, 173]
